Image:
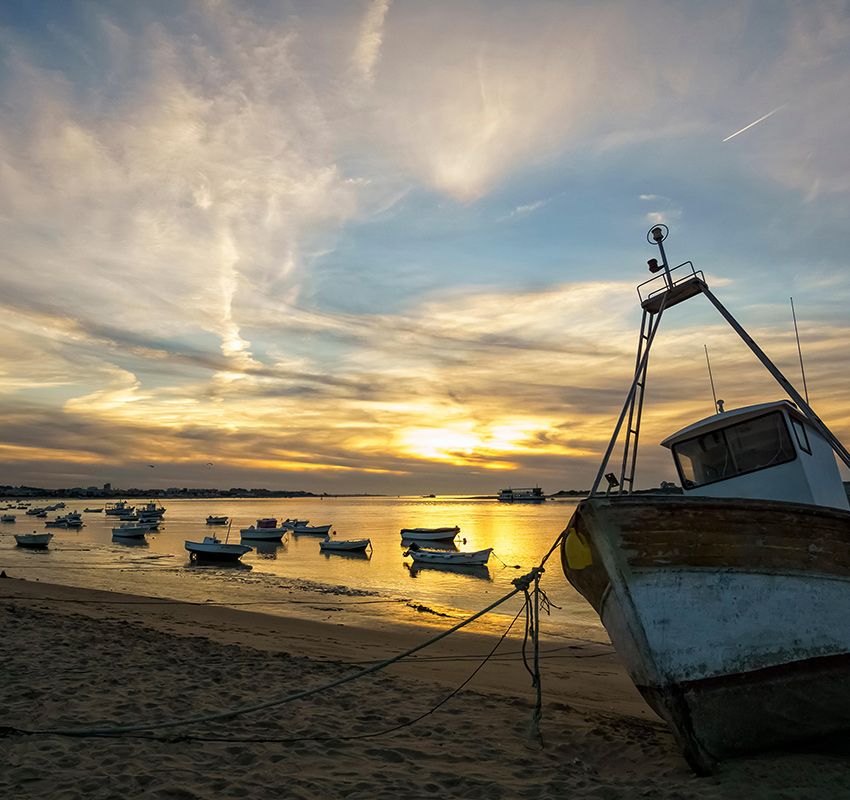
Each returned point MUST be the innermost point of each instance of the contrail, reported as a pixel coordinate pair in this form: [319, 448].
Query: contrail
[760, 119]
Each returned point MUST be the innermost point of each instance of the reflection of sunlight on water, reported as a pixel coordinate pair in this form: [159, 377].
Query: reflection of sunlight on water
[285, 574]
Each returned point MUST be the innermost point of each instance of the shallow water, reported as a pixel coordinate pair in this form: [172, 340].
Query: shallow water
[296, 578]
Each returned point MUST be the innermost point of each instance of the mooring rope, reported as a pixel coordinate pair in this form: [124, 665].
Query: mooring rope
[521, 584]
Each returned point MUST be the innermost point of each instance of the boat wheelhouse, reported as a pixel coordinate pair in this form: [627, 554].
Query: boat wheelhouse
[727, 603]
[769, 451]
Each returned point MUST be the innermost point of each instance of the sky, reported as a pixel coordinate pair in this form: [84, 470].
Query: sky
[392, 246]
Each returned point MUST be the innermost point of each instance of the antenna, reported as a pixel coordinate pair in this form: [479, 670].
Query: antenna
[799, 351]
[711, 378]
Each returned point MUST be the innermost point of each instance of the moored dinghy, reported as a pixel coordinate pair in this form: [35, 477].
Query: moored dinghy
[727, 603]
[212, 519]
[345, 545]
[475, 558]
[430, 534]
[213, 549]
[34, 541]
[131, 530]
[311, 530]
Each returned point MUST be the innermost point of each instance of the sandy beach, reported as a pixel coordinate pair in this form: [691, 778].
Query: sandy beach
[75, 657]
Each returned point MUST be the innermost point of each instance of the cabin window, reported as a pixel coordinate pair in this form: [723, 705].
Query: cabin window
[801, 435]
[735, 450]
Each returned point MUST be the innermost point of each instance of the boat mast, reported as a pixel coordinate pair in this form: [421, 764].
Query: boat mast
[675, 291]
[819, 424]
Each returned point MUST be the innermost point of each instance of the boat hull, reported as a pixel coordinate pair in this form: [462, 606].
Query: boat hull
[312, 530]
[216, 552]
[33, 541]
[477, 559]
[730, 615]
[430, 534]
[263, 534]
[350, 546]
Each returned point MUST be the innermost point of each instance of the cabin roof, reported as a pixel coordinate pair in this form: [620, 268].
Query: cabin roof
[716, 421]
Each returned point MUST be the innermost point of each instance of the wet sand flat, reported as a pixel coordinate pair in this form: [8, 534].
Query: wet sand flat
[113, 659]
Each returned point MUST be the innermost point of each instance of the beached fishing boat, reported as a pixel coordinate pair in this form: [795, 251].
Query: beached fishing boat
[131, 530]
[345, 545]
[475, 558]
[34, 541]
[7, 518]
[727, 603]
[213, 549]
[92, 510]
[311, 530]
[430, 534]
[266, 530]
[220, 520]
[290, 524]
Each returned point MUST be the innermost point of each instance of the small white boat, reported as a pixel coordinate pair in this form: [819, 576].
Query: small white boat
[212, 519]
[131, 531]
[311, 530]
[57, 523]
[290, 524]
[213, 549]
[345, 545]
[35, 541]
[7, 518]
[477, 558]
[430, 534]
[266, 530]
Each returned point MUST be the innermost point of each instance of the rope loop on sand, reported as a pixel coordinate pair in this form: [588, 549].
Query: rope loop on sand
[534, 598]
[242, 710]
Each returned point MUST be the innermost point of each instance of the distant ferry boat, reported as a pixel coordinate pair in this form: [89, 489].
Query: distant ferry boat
[533, 495]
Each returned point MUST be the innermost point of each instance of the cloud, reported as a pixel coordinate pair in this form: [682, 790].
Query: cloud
[368, 47]
[174, 188]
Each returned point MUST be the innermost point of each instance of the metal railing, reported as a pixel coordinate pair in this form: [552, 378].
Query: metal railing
[664, 282]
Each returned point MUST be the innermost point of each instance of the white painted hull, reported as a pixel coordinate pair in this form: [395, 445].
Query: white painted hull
[263, 534]
[730, 616]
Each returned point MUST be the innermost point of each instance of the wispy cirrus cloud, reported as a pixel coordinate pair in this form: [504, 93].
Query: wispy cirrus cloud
[179, 187]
